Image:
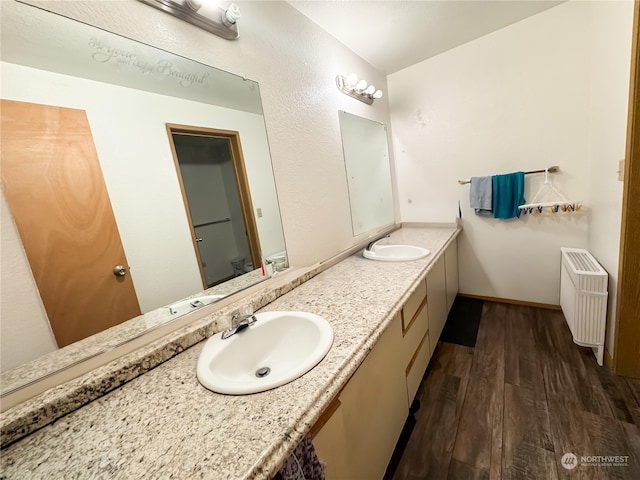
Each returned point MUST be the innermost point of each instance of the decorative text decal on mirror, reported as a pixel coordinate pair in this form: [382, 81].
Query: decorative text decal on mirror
[162, 68]
[139, 200]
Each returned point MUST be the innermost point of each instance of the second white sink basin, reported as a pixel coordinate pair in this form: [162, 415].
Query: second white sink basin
[278, 348]
[395, 253]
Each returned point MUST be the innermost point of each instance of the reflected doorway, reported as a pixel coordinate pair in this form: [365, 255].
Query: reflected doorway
[215, 189]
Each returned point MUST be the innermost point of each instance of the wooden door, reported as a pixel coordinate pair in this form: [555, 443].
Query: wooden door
[54, 187]
[242, 187]
[626, 355]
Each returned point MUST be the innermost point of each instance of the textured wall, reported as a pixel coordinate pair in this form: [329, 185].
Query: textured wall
[516, 99]
[609, 100]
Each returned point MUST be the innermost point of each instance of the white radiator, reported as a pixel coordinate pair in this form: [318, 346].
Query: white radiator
[583, 298]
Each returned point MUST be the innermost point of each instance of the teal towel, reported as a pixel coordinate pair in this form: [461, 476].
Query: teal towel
[508, 195]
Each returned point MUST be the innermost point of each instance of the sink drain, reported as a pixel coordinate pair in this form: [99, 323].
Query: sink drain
[263, 372]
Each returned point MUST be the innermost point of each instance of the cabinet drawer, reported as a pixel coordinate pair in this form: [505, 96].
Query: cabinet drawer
[416, 328]
[417, 366]
[414, 303]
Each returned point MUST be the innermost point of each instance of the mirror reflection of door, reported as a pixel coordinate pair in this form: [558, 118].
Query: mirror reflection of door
[215, 189]
[53, 184]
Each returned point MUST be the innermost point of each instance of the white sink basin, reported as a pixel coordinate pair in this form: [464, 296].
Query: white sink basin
[395, 253]
[288, 344]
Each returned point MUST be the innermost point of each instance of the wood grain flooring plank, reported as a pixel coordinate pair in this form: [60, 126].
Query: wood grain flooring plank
[497, 426]
[511, 407]
[609, 438]
[481, 416]
[528, 448]
[441, 394]
[526, 418]
[569, 434]
[593, 398]
[579, 365]
[522, 366]
[632, 434]
[529, 462]
[633, 389]
[556, 371]
[462, 471]
[621, 398]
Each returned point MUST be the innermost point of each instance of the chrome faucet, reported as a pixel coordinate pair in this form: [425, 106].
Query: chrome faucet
[238, 323]
[373, 244]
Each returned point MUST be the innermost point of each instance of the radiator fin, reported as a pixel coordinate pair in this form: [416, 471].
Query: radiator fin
[582, 262]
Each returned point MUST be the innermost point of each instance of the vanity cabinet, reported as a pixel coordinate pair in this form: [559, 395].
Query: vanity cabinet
[416, 349]
[451, 271]
[357, 433]
[437, 304]
[360, 429]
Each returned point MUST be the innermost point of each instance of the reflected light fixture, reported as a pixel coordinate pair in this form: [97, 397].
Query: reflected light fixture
[204, 14]
[359, 90]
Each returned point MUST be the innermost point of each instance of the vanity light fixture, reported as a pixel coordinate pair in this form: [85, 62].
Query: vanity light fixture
[359, 90]
[204, 14]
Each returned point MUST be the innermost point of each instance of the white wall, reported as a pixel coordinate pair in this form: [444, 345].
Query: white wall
[20, 301]
[516, 99]
[608, 122]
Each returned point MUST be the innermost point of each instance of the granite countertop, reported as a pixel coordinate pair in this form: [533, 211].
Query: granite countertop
[164, 424]
[112, 337]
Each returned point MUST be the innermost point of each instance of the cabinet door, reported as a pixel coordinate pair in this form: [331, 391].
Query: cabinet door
[329, 441]
[374, 407]
[451, 267]
[436, 301]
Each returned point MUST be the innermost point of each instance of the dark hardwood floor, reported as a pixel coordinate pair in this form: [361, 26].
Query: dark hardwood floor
[511, 407]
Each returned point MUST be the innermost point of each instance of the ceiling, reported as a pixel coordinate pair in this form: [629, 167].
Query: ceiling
[394, 34]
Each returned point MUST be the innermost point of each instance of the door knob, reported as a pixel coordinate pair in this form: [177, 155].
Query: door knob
[119, 271]
[198, 239]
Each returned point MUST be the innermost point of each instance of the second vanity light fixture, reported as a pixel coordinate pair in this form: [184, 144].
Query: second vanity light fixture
[357, 89]
[204, 14]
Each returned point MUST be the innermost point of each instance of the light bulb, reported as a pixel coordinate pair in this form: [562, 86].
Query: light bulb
[377, 94]
[370, 89]
[231, 15]
[352, 79]
[362, 84]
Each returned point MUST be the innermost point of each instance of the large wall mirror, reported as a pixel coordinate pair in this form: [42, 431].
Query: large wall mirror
[135, 183]
[368, 168]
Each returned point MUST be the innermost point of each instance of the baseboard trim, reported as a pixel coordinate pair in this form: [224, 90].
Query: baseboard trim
[512, 301]
[608, 359]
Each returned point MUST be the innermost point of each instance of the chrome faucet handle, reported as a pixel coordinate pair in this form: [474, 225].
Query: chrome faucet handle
[374, 243]
[243, 313]
[240, 319]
